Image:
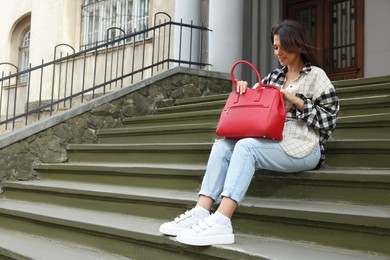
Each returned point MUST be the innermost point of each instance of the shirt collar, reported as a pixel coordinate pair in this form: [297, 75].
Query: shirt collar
[306, 69]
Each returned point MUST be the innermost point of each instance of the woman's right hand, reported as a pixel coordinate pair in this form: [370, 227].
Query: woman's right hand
[241, 86]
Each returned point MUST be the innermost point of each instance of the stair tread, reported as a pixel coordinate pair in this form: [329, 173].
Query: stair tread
[199, 99]
[38, 247]
[163, 128]
[262, 205]
[175, 115]
[142, 228]
[123, 167]
[356, 175]
[365, 118]
[148, 146]
[104, 190]
[360, 143]
[318, 207]
[369, 83]
[338, 174]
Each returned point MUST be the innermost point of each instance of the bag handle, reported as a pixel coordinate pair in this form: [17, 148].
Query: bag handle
[260, 86]
[247, 63]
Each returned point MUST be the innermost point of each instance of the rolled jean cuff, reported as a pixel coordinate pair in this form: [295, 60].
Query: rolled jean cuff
[231, 196]
[208, 194]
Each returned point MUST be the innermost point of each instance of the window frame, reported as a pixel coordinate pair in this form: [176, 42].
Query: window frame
[324, 35]
[98, 16]
[24, 56]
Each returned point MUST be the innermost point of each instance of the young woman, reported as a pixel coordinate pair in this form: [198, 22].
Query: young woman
[312, 107]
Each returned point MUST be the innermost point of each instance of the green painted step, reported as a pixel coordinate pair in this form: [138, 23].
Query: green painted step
[358, 153]
[128, 237]
[336, 224]
[362, 87]
[174, 176]
[22, 245]
[120, 199]
[138, 238]
[357, 186]
[340, 153]
[210, 105]
[373, 126]
[364, 186]
[298, 220]
[194, 117]
[183, 133]
[365, 105]
[193, 100]
[180, 153]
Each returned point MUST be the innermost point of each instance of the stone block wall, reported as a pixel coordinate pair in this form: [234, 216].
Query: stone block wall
[46, 142]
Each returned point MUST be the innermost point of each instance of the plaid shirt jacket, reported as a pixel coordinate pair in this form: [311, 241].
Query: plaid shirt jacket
[321, 107]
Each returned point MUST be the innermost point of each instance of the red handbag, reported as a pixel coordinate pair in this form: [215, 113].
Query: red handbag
[258, 112]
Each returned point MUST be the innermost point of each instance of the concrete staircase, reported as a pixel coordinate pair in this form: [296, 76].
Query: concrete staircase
[108, 201]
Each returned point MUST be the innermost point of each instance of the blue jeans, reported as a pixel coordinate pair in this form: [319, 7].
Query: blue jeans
[232, 164]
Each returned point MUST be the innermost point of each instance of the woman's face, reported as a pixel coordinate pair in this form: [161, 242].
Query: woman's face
[284, 58]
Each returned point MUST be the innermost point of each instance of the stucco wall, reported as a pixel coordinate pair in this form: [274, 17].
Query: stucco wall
[377, 38]
[11, 14]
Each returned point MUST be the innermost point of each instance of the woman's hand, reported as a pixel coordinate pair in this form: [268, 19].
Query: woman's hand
[298, 103]
[241, 86]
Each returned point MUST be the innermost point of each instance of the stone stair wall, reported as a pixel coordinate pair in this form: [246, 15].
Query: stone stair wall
[109, 198]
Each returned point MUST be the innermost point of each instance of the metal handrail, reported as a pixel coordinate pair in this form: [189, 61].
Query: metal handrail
[111, 64]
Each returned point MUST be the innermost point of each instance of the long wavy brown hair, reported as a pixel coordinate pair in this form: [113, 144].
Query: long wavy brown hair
[294, 38]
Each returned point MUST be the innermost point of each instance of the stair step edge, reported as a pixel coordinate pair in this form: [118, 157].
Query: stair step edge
[123, 169]
[24, 245]
[335, 174]
[106, 190]
[143, 147]
[324, 174]
[317, 209]
[172, 129]
[145, 229]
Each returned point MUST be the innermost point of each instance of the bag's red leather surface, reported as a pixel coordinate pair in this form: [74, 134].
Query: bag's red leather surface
[256, 113]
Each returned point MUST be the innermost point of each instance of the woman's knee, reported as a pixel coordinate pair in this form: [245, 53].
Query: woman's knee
[244, 144]
[223, 145]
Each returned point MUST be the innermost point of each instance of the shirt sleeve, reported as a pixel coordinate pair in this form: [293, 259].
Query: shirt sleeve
[321, 111]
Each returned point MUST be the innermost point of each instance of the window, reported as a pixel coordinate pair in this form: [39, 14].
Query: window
[24, 55]
[100, 15]
[337, 30]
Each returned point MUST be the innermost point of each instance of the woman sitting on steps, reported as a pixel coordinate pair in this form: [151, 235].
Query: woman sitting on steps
[312, 109]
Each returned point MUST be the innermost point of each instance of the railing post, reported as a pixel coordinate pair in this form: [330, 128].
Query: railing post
[9, 93]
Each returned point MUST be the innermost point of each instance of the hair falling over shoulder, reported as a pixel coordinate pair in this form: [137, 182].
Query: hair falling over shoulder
[294, 38]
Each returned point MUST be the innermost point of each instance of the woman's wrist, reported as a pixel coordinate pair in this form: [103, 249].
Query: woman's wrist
[299, 104]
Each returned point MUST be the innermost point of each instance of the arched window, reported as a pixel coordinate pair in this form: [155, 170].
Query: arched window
[99, 15]
[24, 55]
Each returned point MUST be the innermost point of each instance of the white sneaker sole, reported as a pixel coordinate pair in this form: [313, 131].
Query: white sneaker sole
[206, 241]
[170, 231]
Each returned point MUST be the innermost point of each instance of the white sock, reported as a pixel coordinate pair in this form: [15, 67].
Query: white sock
[221, 219]
[201, 212]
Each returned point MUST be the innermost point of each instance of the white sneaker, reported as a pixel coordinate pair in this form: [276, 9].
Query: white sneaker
[182, 222]
[207, 232]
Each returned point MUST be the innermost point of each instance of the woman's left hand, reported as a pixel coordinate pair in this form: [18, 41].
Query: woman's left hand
[241, 86]
[293, 99]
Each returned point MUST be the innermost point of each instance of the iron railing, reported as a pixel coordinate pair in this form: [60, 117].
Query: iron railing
[76, 77]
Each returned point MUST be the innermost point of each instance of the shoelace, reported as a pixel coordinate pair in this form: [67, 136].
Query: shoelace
[184, 216]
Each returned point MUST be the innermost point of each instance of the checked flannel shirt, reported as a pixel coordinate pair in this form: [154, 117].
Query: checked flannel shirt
[303, 130]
